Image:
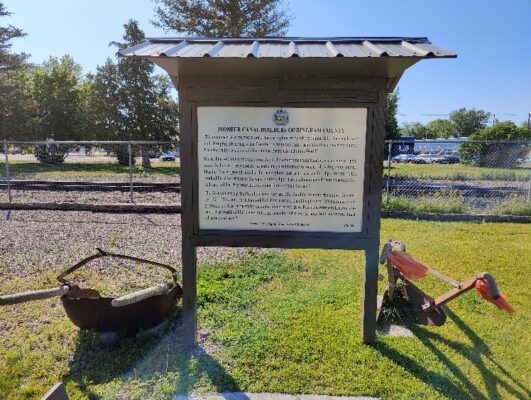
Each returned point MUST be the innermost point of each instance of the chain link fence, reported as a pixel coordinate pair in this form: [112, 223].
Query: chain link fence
[420, 176]
[90, 172]
[458, 177]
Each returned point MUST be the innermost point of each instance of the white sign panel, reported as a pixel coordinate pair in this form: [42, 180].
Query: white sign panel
[281, 169]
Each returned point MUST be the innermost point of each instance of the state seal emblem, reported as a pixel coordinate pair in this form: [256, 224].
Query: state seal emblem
[281, 117]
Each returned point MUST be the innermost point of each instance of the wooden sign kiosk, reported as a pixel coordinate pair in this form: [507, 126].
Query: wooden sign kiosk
[282, 143]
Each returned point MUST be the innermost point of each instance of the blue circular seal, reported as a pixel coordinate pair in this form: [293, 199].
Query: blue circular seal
[281, 117]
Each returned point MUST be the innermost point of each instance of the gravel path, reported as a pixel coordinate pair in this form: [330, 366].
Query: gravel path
[89, 197]
[34, 242]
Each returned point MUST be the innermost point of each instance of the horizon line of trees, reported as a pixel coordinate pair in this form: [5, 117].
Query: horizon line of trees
[462, 122]
[123, 100]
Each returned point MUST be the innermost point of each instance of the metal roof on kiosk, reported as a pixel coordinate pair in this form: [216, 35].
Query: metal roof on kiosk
[362, 56]
[275, 47]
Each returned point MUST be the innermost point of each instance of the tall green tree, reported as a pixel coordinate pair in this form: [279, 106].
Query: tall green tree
[56, 113]
[251, 18]
[100, 96]
[467, 122]
[8, 59]
[16, 105]
[391, 123]
[55, 91]
[127, 101]
[14, 99]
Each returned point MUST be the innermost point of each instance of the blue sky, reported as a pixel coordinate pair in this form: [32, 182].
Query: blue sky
[492, 38]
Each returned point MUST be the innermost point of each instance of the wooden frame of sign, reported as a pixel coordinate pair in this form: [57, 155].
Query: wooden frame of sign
[290, 94]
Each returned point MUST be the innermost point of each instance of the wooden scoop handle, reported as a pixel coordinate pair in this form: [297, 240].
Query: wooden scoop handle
[143, 294]
[33, 295]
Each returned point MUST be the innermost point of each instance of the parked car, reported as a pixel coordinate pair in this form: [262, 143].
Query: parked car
[167, 156]
[450, 158]
[438, 158]
[424, 159]
[403, 158]
[526, 160]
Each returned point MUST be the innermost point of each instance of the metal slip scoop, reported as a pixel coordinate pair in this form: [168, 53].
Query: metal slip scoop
[420, 307]
[88, 310]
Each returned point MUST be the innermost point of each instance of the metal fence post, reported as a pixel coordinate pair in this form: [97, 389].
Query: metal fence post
[8, 178]
[130, 150]
[388, 184]
[529, 189]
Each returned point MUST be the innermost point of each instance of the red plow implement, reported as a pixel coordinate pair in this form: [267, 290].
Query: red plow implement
[421, 308]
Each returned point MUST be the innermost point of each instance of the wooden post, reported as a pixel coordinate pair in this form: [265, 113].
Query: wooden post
[189, 250]
[388, 183]
[8, 178]
[370, 289]
[130, 151]
[189, 260]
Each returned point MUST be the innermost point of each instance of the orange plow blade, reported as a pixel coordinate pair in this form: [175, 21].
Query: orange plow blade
[484, 290]
[407, 265]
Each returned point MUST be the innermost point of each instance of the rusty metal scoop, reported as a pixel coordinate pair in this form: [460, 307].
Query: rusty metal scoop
[88, 310]
[417, 305]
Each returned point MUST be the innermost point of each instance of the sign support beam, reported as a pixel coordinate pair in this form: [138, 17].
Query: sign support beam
[370, 289]
[189, 262]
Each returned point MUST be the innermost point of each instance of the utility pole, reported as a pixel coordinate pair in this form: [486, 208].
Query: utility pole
[529, 121]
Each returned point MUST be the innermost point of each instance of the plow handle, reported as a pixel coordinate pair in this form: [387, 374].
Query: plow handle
[464, 287]
[33, 295]
[143, 294]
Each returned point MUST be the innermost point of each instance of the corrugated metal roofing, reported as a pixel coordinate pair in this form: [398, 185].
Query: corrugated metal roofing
[286, 47]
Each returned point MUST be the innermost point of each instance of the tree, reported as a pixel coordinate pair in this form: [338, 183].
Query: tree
[416, 129]
[440, 128]
[223, 17]
[467, 122]
[14, 100]
[391, 123]
[55, 90]
[100, 97]
[9, 60]
[126, 101]
[499, 155]
[56, 115]
[16, 105]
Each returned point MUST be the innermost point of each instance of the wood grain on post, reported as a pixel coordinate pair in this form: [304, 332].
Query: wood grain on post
[188, 204]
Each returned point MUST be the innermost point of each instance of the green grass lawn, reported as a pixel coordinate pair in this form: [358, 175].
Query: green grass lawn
[449, 202]
[36, 170]
[290, 322]
[457, 172]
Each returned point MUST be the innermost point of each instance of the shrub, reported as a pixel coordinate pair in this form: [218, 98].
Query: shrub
[122, 155]
[498, 155]
[51, 153]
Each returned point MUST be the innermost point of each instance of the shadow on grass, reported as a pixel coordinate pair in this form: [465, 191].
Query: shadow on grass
[454, 387]
[35, 168]
[144, 359]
